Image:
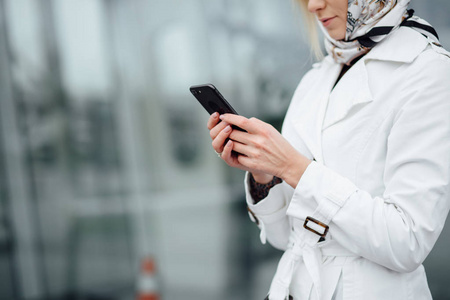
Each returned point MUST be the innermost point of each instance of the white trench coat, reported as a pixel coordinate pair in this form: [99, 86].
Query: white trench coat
[380, 179]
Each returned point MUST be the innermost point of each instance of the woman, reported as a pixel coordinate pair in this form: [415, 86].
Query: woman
[356, 188]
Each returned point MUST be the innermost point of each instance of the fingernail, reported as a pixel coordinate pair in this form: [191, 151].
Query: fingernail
[221, 117]
[228, 128]
[229, 143]
[215, 115]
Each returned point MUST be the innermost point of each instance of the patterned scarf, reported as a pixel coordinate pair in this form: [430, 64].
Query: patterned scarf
[369, 22]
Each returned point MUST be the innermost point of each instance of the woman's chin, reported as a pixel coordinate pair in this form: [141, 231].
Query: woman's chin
[336, 34]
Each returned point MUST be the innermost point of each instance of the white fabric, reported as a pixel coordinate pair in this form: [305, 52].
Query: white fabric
[381, 177]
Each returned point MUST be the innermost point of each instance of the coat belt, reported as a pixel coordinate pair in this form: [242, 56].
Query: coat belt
[312, 258]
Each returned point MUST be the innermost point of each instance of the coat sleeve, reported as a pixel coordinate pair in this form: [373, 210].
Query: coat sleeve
[399, 228]
[270, 214]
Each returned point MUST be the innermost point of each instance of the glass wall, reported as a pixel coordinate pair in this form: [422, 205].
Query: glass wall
[105, 161]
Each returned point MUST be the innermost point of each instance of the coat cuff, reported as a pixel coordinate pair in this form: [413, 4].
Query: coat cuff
[270, 209]
[320, 193]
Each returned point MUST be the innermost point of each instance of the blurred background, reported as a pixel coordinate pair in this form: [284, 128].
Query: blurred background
[108, 183]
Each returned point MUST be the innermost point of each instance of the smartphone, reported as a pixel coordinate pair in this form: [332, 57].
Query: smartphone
[211, 99]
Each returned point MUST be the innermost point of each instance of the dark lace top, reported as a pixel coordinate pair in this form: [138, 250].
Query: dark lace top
[259, 191]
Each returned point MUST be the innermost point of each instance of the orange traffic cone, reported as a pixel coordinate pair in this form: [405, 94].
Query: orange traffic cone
[147, 286]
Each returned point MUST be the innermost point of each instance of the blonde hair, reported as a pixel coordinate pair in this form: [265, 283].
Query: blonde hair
[311, 25]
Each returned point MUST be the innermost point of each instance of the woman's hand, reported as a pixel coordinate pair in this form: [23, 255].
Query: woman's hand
[262, 149]
[219, 133]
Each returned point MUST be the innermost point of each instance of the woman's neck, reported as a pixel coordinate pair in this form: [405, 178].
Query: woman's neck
[346, 67]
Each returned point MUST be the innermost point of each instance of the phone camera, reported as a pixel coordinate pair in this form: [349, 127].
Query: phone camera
[194, 92]
[199, 91]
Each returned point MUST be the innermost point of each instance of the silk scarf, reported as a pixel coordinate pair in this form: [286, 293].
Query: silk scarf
[369, 22]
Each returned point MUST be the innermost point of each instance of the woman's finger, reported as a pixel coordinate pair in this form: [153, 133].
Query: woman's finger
[250, 125]
[232, 159]
[242, 148]
[227, 153]
[221, 138]
[213, 120]
[241, 137]
[217, 129]
[244, 161]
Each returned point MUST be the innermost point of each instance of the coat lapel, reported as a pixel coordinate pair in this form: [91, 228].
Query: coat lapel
[352, 91]
[309, 124]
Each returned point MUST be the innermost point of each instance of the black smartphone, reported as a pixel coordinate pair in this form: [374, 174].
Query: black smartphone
[211, 99]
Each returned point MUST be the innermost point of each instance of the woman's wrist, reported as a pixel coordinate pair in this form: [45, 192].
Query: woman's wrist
[262, 178]
[295, 170]
[259, 191]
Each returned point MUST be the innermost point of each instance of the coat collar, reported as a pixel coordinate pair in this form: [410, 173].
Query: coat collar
[403, 45]
[350, 92]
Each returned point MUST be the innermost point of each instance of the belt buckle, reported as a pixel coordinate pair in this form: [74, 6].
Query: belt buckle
[325, 226]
